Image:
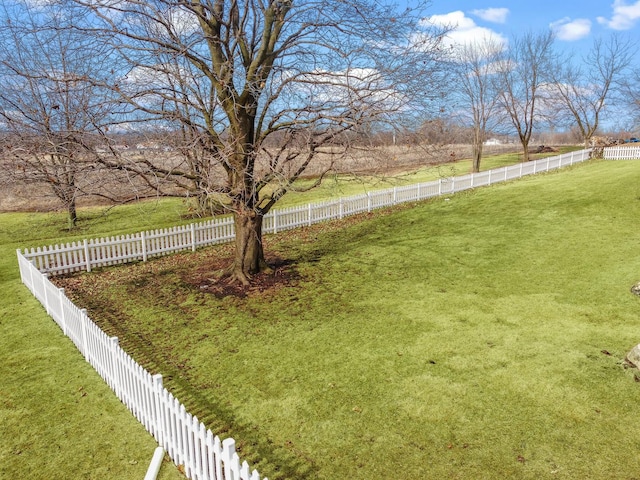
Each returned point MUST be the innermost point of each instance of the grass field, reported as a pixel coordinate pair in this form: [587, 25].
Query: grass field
[58, 419]
[476, 336]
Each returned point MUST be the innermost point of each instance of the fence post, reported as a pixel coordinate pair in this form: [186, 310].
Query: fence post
[63, 321]
[158, 421]
[340, 209]
[368, 201]
[83, 320]
[32, 267]
[44, 289]
[87, 259]
[440, 186]
[114, 343]
[143, 239]
[274, 214]
[395, 195]
[193, 237]
[20, 264]
[228, 451]
[309, 212]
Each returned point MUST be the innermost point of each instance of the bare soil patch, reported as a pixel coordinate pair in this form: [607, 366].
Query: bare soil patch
[203, 277]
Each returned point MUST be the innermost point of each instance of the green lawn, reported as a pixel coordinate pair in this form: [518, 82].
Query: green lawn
[58, 419]
[476, 336]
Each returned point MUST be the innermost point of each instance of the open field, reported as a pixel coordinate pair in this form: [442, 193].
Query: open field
[479, 336]
[346, 184]
[365, 170]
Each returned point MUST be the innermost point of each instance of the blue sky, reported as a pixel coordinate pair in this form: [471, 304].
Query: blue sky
[575, 22]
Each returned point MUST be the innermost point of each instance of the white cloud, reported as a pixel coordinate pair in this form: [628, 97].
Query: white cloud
[624, 16]
[571, 30]
[495, 15]
[183, 21]
[39, 3]
[455, 19]
[464, 29]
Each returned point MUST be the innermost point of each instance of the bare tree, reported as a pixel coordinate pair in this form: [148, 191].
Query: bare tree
[583, 88]
[478, 90]
[261, 89]
[52, 114]
[523, 73]
[631, 94]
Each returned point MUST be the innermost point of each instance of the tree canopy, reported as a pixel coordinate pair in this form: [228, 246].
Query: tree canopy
[252, 91]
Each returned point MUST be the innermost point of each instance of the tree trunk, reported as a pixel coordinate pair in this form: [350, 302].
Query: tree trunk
[249, 254]
[477, 156]
[73, 214]
[525, 153]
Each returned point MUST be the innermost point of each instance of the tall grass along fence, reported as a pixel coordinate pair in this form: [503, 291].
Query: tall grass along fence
[94, 253]
[183, 436]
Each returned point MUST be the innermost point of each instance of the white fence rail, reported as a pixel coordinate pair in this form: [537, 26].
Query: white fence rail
[622, 152]
[186, 440]
[94, 253]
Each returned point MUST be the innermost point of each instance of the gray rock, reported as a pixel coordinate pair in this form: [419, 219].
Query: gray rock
[633, 357]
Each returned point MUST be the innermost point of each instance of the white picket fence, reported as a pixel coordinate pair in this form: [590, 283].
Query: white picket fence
[622, 152]
[186, 439]
[94, 253]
